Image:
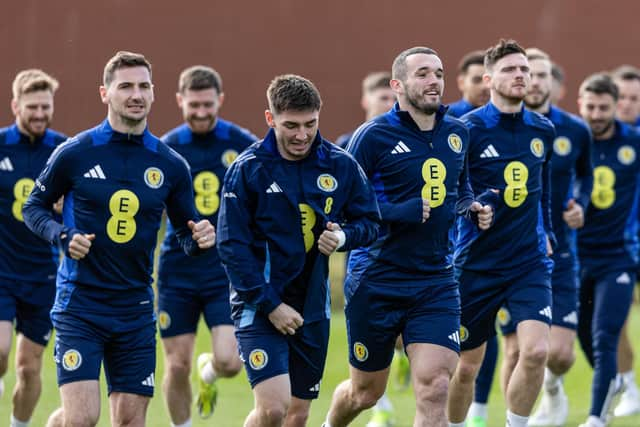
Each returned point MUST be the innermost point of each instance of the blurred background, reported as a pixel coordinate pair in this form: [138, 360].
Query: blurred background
[332, 42]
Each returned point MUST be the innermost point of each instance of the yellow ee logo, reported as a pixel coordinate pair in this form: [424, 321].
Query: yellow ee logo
[537, 147]
[516, 175]
[433, 174]
[123, 205]
[603, 194]
[504, 317]
[71, 360]
[360, 352]
[228, 157]
[455, 143]
[464, 334]
[626, 155]
[21, 191]
[164, 320]
[153, 177]
[307, 221]
[206, 186]
[562, 146]
[258, 359]
[327, 183]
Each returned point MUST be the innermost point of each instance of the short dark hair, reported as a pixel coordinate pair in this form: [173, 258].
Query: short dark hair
[626, 72]
[534, 53]
[599, 83]
[503, 48]
[199, 77]
[290, 92]
[123, 59]
[399, 67]
[475, 57]
[33, 80]
[376, 80]
[557, 72]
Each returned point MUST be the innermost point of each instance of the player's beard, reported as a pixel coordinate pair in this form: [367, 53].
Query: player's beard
[418, 102]
[28, 126]
[534, 104]
[604, 130]
[201, 124]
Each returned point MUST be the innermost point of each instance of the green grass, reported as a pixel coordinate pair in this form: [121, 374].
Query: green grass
[236, 400]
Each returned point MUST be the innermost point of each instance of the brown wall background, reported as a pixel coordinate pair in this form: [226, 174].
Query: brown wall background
[334, 43]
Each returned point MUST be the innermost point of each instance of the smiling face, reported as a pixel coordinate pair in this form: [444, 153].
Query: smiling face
[200, 108]
[541, 82]
[33, 111]
[598, 110]
[509, 78]
[129, 97]
[423, 86]
[295, 131]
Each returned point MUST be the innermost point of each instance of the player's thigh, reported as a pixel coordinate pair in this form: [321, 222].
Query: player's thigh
[178, 350]
[28, 354]
[564, 287]
[274, 392]
[7, 315]
[533, 334]
[307, 357]
[178, 311]
[81, 402]
[33, 308]
[529, 298]
[6, 335]
[224, 343]
[561, 340]
[430, 361]
[613, 293]
[374, 315]
[130, 358]
[264, 350]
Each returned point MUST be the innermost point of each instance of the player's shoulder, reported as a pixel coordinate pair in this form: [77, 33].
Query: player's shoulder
[76, 146]
[228, 130]
[454, 124]
[178, 135]
[54, 138]
[629, 133]
[538, 121]
[483, 117]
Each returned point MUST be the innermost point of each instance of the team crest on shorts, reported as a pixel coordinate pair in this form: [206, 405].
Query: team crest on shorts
[228, 157]
[164, 320]
[626, 155]
[537, 147]
[562, 146]
[153, 177]
[71, 360]
[327, 183]
[504, 317]
[464, 334]
[360, 352]
[258, 359]
[455, 142]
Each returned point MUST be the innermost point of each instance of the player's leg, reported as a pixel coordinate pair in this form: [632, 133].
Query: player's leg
[373, 324]
[265, 352]
[178, 316]
[80, 403]
[307, 357]
[479, 411]
[225, 361]
[129, 367]
[431, 369]
[7, 316]
[178, 353]
[612, 299]
[33, 324]
[462, 384]
[630, 399]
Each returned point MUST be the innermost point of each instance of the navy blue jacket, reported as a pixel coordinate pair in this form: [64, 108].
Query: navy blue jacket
[460, 108]
[510, 153]
[209, 156]
[609, 238]
[405, 166]
[271, 216]
[23, 256]
[570, 163]
[116, 186]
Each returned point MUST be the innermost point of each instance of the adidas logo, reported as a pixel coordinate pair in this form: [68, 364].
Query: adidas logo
[489, 152]
[6, 165]
[455, 337]
[400, 147]
[149, 381]
[546, 312]
[95, 172]
[623, 279]
[274, 188]
[315, 388]
[571, 318]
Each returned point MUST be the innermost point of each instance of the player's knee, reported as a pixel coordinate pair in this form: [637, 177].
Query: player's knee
[178, 368]
[4, 363]
[227, 367]
[604, 340]
[298, 416]
[81, 419]
[273, 413]
[534, 354]
[28, 372]
[561, 359]
[432, 389]
[467, 371]
[364, 396]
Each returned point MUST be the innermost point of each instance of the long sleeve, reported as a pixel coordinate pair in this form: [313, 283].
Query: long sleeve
[584, 172]
[361, 212]
[235, 241]
[546, 197]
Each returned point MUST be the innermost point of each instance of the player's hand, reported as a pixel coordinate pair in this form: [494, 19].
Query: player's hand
[573, 215]
[57, 206]
[549, 247]
[203, 233]
[80, 245]
[426, 210]
[485, 214]
[329, 240]
[285, 319]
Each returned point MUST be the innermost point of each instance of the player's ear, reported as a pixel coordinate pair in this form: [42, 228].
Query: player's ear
[268, 115]
[220, 99]
[15, 107]
[103, 94]
[179, 99]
